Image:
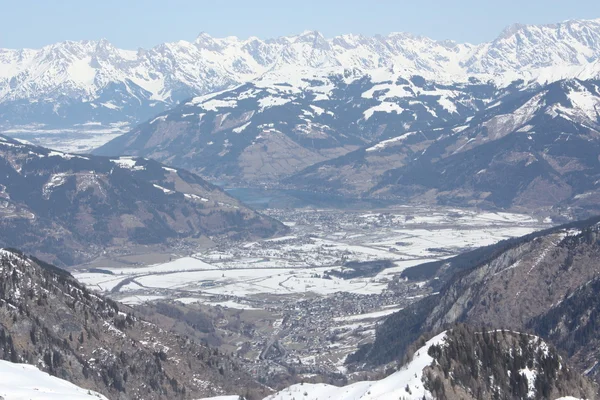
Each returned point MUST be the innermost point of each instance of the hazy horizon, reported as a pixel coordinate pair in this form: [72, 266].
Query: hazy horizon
[144, 24]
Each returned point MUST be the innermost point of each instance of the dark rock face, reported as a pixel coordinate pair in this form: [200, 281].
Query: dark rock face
[68, 208]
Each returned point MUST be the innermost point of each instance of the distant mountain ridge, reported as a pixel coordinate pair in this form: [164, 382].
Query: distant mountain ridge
[68, 208]
[82, 84]
[527, 146]
[281, 123]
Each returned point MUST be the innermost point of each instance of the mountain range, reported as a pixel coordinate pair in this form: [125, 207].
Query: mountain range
[532, 148]
[526, 146]
[509, 124]
[85, 85]
[463, 363]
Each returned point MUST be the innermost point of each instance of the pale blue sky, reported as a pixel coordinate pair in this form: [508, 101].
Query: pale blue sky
[144, 23]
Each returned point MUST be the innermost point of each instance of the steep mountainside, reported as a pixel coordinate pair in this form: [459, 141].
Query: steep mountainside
[573, 326]
[69, 208]
[533, 147]
[89, 83]
[49, 320]
[463, 363]
[521, 285]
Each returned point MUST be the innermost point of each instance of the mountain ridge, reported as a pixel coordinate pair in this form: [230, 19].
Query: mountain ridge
[70, 208]
[74, 83]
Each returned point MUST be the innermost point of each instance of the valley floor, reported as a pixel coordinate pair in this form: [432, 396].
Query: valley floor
[77, 139]
[285, 302]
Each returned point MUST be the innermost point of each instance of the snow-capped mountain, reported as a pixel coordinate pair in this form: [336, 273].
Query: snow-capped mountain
[392, 138]
[407, 383]
[465, 364]
[546, 283]
[81, 84]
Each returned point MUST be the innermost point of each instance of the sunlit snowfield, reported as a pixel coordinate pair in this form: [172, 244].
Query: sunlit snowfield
[319, 241]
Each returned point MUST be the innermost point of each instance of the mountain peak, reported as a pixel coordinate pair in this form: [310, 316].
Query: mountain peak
[206, 41]
[510, 30]
[310, 36]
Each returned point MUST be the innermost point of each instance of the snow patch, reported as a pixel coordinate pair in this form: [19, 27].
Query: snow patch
[25, 382]
[386, 107]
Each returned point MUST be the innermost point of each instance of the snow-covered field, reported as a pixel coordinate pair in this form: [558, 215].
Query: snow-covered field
[26, 382]
[319, 241]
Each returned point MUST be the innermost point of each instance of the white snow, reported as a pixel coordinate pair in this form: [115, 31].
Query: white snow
[584, 102]
[26, 382]
[393, 387]
[386, 143]
[54, 181]
[386, 107]
[240, 129]
[164, 189]
[215, 104]
[111, 105]
[128, 163]
[209, 64]
[196, 197]
[66, 156]
[83, 73]
[272, 101]
[372, 315]
[159, 118]
[296, 264]
[448, 105]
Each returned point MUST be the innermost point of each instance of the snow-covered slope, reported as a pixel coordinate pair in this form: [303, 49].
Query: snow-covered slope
[406, 384]
[26, 382]
[463, 363]
[75, 84]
